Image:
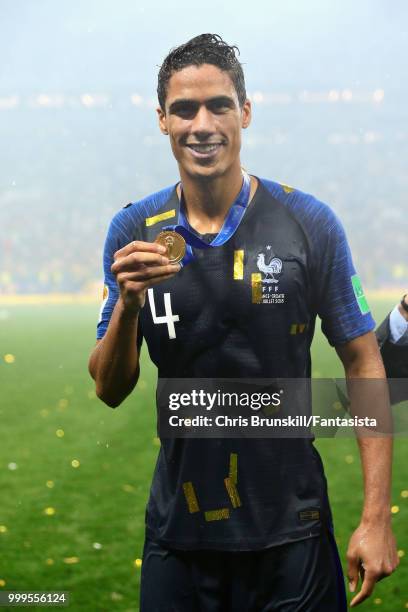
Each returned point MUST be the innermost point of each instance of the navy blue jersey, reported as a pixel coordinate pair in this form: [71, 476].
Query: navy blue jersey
[246, 309]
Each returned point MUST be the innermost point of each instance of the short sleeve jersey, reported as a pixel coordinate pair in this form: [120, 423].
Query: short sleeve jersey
[246, 309]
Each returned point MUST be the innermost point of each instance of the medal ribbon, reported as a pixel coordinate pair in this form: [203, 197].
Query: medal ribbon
[229, 227]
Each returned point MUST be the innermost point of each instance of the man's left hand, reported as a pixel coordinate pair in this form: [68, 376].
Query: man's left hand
[372, 554]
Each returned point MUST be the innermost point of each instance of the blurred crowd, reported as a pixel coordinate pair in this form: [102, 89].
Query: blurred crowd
[68, 171]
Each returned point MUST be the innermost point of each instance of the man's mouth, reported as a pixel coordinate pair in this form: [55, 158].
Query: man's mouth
[204, 149]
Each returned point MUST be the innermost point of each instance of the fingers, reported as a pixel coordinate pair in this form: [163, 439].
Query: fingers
[138, 245]
[137, 259]
[353, 567]
[138, 266]
[367, 588]
[147, 273]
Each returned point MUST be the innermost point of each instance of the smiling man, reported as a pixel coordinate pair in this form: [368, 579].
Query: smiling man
[237, 525]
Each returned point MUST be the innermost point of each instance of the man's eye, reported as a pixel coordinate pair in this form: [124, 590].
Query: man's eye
[185, 111]
[220, 107]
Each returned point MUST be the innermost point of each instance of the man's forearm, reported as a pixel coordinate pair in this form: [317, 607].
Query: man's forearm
[376, 459]
[114, 363]
[368, 393]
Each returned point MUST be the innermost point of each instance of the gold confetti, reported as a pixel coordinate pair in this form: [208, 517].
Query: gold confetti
[232, 492]
[287, 188]
[377, 601]
[44, 412]
[63, 403]
[2, 582]
[217, 515]
[3, 529]
[404, 494]
[406, 605]
[337, 406]
[75, 463]
[49, 484]
[401, 553]
[60, 433]
[49, 511]
[97, 545]
[91, 394]
[191, 498]
[128, 488]
[138, 563]
[9, 358]
[142, 385]
[349, 459]
[156, 441]
[49, 561]
[394, 509]
[71, 560]
[116, 596]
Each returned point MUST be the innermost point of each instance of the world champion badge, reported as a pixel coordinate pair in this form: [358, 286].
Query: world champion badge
[174, 243]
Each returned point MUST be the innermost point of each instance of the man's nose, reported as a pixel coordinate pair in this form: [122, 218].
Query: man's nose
[203, 122]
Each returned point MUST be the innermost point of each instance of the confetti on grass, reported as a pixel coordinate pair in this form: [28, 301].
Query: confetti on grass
[71, 560]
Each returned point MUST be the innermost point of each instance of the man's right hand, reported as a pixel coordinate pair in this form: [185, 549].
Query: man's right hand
[137, 267]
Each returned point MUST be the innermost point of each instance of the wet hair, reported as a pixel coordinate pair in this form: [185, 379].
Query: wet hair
[202, 49]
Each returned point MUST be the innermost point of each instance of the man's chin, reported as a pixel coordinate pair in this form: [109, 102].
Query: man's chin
[207, 172]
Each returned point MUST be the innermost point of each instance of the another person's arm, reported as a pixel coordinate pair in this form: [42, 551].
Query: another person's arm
[372, 549]
[114, 362]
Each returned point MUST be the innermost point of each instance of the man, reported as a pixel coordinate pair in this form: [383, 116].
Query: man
[392, 336]
[271, 547]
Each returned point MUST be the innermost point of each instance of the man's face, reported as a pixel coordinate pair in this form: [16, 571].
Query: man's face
[204, 120]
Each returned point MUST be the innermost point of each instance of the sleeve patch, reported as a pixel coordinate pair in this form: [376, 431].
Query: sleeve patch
[359, 293]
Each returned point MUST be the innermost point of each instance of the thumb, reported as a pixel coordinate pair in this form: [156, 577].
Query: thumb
[352, 573]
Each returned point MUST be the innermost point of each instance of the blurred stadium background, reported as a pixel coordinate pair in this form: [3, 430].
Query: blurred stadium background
[79, 140]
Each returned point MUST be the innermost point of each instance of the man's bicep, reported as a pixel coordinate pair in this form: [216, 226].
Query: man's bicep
[362, 353]
[340, 300]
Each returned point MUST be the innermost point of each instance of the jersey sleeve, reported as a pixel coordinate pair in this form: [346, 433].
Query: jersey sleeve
[340, 300]
[121, 231]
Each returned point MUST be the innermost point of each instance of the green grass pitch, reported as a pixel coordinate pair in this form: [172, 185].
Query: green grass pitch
[75, 474]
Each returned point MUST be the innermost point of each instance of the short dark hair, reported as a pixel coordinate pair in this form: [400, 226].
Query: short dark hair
[202, 49]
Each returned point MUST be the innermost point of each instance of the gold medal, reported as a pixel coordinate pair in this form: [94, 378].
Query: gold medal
[174, 243]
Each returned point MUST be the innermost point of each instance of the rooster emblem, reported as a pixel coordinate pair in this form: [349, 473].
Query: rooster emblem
[273, 267]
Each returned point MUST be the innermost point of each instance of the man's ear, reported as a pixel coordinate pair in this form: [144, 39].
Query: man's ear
[246, 114]
[162, 120]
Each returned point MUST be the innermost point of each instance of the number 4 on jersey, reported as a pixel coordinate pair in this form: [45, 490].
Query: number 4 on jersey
[168, 318]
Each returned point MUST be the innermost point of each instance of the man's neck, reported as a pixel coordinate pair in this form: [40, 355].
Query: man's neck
[208, 202]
